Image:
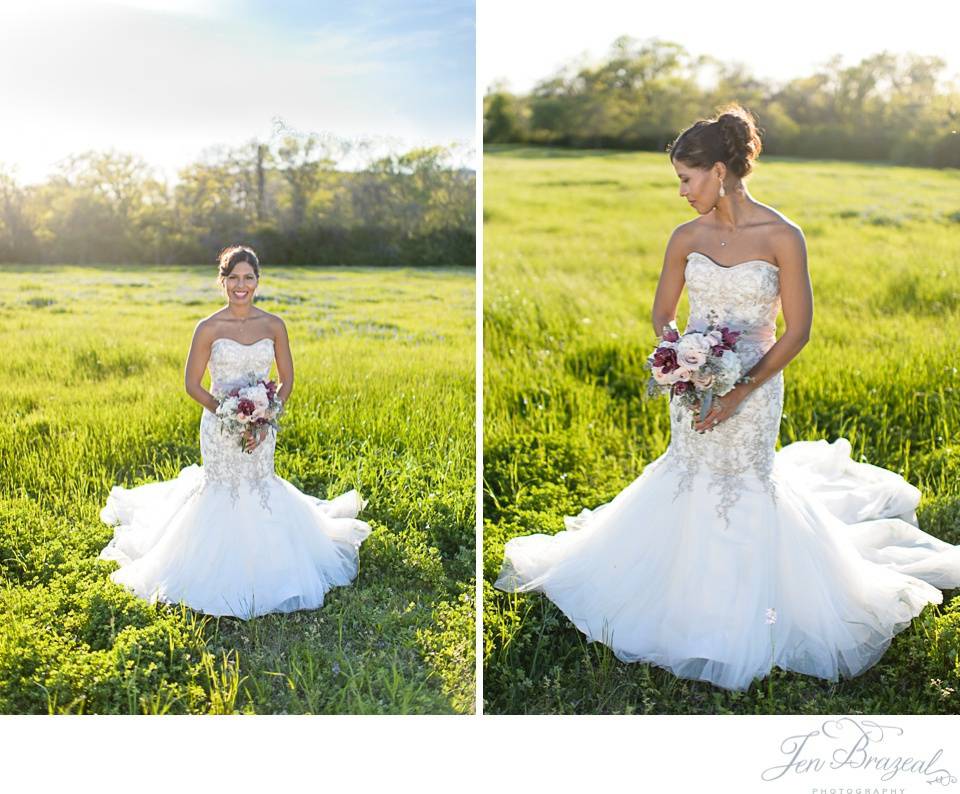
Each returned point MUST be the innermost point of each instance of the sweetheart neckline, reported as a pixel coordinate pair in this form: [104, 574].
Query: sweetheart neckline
[243, 344]
[731, 267]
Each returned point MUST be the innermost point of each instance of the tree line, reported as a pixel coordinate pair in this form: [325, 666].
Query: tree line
[890, 108]
[300, 199]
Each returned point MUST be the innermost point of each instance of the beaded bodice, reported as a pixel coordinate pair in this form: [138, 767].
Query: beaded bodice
[746, 298]
[224, 462]
[231, 361]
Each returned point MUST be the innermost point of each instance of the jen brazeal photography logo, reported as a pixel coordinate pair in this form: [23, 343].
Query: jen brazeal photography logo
[882, 756]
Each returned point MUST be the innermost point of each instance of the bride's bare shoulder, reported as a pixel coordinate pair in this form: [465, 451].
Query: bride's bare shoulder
[685, 229]
[209, 328]
[210, 322]
[777, 221]
[270, 318]
[682, 237]
[785, 236]
[272, 321]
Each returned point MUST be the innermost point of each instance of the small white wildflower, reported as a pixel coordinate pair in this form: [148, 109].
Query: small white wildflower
[771, 616]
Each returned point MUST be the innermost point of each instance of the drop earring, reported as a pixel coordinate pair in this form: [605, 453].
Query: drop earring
[722, 191]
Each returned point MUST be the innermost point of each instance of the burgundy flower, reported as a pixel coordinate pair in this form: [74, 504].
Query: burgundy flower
[246, 407]
[729, 337]
[717, 350]
[666, 359]
[682, 386]
[671, 335]
[271, 388]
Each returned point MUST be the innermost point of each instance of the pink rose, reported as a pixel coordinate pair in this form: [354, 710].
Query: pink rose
[660, 376]
[703, 380]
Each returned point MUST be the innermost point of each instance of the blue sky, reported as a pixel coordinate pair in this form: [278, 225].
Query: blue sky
[167, 78]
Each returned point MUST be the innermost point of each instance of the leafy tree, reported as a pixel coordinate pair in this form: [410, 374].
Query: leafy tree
[643, 93]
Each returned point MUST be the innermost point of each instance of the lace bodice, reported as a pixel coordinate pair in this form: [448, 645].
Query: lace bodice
[231, 361]
[224, 462]
[746, 298]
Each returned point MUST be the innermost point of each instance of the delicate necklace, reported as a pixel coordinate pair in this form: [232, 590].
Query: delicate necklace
[724, 242]
[731, 233]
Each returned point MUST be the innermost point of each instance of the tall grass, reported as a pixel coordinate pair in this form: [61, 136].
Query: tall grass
[573, 248]
[384, 402]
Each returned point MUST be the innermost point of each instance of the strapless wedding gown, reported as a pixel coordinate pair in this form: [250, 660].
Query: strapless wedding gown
[725, 558]
[231, 537]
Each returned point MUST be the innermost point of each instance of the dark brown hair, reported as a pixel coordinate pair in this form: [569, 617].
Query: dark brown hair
[731, 137]
[232, 256]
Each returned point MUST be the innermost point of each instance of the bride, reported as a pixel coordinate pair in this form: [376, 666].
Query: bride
[725, 558]
[231, 537]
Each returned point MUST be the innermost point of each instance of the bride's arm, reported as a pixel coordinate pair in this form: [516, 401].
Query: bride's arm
[197, 360]
[670, 286]
[284, 358]
[796, 297]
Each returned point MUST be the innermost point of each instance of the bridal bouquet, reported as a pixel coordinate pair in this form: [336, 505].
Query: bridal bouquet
[249, 408]
[696, 366]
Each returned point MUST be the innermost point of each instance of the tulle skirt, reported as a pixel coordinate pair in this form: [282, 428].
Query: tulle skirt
[815, 577]
[188, 541]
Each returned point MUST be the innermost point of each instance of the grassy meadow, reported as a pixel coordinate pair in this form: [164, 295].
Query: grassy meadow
[384, 402]
[573, 248]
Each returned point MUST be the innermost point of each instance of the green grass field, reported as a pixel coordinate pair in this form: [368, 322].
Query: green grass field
[384, 402]
[573, 248]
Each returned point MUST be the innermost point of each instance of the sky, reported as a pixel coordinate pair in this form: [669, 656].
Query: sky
[167, 79]
[523, 42]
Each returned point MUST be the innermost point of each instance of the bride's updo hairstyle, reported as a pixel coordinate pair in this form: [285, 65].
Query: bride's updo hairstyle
[232, 256]
[731, 137]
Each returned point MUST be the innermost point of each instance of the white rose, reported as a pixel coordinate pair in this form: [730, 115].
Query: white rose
[730, 362]
[228, 406]
[730, 369]
[659, 376]
[692, 351]
[703, 380]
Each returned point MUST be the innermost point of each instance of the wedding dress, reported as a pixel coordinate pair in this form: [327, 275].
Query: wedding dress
[231, 537]
[725, 558]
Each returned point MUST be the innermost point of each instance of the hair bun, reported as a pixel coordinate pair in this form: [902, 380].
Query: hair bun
[730, 137]
[741, 140]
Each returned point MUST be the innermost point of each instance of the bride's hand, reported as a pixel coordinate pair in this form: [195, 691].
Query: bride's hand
[253, 440]
[722, 408]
